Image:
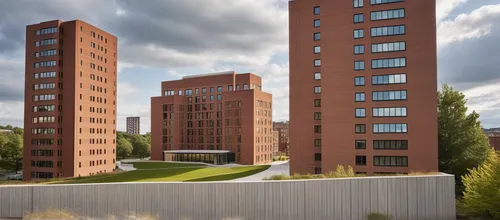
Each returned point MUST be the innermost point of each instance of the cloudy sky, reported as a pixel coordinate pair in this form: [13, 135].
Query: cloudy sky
[167, 39]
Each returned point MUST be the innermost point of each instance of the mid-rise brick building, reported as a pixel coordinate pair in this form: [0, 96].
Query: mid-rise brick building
[283, 129]
[133, 125]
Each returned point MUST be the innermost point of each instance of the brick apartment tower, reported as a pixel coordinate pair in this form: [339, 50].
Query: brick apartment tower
[133, 125]
[219, 111]
[70, 100]
[283, 129]
[363, 83]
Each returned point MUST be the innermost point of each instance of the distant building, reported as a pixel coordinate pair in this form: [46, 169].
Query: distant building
[494, 136]
[133, 125]
[214, 118]
[283, 129]
[276, 142]
[2, 131]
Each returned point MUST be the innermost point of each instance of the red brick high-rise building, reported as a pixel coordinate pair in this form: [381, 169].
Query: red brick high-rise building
[363, 83]
[283, 129]
[214, 118]
[70, 100]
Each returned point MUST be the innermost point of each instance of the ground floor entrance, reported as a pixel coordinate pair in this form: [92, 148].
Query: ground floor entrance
[217, 157]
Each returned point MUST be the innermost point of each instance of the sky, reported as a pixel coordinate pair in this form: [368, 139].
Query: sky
[163, 40]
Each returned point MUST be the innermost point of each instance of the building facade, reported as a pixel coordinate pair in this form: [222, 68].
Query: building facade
[219, 112]
[363, 82]
[276, 143]
[283, 129]
[494, 137]
[70, 100]
[133, 125]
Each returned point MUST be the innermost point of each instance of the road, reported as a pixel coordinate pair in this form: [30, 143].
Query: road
[277, 168]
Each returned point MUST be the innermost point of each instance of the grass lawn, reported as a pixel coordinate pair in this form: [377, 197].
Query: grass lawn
[169, 172]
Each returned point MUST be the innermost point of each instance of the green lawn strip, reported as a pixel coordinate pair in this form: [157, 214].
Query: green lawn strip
[231, 175]
[157, 165]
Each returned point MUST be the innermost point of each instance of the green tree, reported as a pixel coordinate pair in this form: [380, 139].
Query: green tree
[11, 152]
[462, 143]
[123, 148]
[142, 148]
[482, 189]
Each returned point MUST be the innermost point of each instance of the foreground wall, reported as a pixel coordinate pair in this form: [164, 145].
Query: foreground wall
[429, 197]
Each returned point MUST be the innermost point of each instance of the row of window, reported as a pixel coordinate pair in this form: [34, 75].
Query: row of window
[189, 92]
[42, 153]
[389, 79]
[44, 108]
[376, 64]
[388, 31]
[46, 53]
[44, 86]
[379, 112]
[42, 141]
[49, 30]
[42, 175]
[389, 95]
[45, 97]
[45, 64]
[44, 75]
[388, 47]
[43, 131]
[44, 42]
[43, 119]
[382, 144]
[390, 128]
[392, 161]
[387, 14]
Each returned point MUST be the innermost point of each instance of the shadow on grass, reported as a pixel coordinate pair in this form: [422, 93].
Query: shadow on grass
[230, 176]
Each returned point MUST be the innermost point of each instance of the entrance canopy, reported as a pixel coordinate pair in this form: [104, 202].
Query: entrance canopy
[217, 157]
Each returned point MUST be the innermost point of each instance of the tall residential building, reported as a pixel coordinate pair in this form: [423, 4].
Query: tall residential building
[276, 143]
[133, 125]
[283, 129]
[70, 100]
[363, 83]
[213, 118]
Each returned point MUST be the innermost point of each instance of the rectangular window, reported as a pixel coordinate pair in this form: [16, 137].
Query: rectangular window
[359, 65]
[316, 10]
[317, 142]
[317, 23]
[390, 112]
[361, 160]
[360, 97]
[389, 95]
[317, 76]
[212, 90]
[219, 97]
[48, 41]
[317, 63]
[317, 103]
[390, 161]
[49, 30]
[317, 115]
[317, 49]
[390, 144]
[389, 63]
[317, 36]
[377, 2]
[359, 18]
[219, 88]
[360, 144]
[360, 113]
[388, 31]
[389, 79]
[48, 53]
[358, 3]
[360, 129]
[388, 47]
[359, 33]
[359, 49]
[317, 156]
[387, 14]
[390, 128]
[317, 89]
[359, 81]
[317, 129]
[203, 90]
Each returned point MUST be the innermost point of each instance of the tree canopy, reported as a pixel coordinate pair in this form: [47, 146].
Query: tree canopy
[123, 148]
[11, 151]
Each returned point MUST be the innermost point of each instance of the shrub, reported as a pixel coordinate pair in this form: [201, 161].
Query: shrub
[50, 214]
[340, 172]
[379, 216]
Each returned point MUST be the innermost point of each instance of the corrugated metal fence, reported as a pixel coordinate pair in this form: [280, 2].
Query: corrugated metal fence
[425, 197]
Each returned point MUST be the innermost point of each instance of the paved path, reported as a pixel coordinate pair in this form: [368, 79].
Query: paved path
[277, 168]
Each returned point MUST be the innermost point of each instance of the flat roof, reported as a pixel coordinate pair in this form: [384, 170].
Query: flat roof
[197, 151]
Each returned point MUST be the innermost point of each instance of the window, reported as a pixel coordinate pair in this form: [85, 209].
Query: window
[317, 23]
[389, 95]
[188, 92]
[170, 93]
[317, 103]
[230, 88]
[390, 128]
[360, 113]
[389, 79]
[387, 14]
[317, 156]
[390, 161]
[388, 31]
[360, 128]
[360, 144]
[317, 63]
[219, 88]
[203, 90]
[389, 63]
[316, 10]
[37, 43]
[359, 18]
[317, 115]
[388, 47]
[359, 81]
[359, 33]
[219, 97]
[49, 30]
[376, 2]
[361, 160]
[358, 3]
[317, 76]
[212, 90]
[317, 129]
[47, 53]
[317, 170]
[245, 87]
[317, 49]
[317, 36]
[390, 112]
[211, 98]
[359, 65]
[37, 54]
[48, 41]
[360, 97]
[359, 49]
[390, 144]
[317, 89]
[317, 142]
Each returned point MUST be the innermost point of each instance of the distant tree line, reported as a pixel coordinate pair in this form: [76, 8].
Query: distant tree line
[11, 148]
[127, 145]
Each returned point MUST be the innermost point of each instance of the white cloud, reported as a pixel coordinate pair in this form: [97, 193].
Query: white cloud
[445, 7]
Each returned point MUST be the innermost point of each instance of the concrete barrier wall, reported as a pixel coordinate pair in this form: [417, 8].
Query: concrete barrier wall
[426, 197]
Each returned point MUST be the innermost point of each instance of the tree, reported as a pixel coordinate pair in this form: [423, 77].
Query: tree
[142, 148]
[11, 151]
[462, 143]
[482, 195]
[123, 148]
